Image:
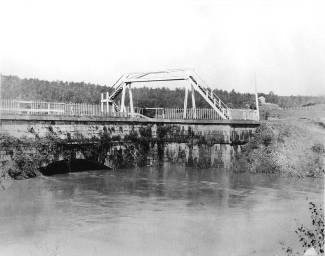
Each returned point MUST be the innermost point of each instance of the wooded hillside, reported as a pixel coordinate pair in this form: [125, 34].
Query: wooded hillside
[14, 87]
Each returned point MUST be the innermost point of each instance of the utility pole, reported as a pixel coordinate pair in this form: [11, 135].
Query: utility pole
[256, 100]
[0, 103]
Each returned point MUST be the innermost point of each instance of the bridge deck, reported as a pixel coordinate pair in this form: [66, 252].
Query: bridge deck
[101, 119]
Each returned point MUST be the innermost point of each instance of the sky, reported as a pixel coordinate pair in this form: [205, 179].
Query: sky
[227, 42]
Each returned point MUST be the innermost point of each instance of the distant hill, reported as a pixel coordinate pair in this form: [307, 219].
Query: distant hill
[14, 87]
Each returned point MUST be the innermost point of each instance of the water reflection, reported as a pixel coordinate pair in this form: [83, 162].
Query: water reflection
[168, 209]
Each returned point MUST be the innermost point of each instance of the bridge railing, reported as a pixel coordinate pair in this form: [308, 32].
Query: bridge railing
[19, 107]
[199, 113]
[244, 114]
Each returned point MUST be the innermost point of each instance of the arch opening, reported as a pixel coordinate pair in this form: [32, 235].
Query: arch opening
[73, 165]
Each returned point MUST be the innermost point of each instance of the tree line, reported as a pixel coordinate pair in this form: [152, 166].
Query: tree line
[14, 87]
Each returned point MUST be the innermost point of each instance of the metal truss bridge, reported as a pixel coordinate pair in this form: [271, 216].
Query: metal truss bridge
[193, 84]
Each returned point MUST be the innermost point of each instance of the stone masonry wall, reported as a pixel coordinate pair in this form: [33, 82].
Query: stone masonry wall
[129, 144]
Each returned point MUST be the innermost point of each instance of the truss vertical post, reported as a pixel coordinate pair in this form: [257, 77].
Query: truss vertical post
[123, 99]
[131, 100]
[185, 101]
[107, 102]
[193, 101]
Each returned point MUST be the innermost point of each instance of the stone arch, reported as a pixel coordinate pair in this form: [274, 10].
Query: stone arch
[75, 158]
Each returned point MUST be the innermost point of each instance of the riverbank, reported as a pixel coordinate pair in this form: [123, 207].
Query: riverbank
[293, 145]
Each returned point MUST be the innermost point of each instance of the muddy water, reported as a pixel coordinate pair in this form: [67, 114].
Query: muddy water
[170, 210]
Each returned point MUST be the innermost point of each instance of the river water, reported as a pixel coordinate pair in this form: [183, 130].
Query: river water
[168, 210]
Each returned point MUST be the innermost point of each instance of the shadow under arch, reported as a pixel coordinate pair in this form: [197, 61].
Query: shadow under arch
[74, 165]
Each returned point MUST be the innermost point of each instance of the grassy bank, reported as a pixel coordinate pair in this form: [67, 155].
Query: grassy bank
[293, 145]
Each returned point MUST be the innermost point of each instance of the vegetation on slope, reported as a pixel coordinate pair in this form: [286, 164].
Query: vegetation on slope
[292, 142]
[287, 147]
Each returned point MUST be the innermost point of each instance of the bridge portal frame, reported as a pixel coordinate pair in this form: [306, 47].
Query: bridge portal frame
[194, 83]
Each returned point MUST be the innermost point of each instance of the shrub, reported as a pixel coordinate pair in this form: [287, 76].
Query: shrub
[313, 236]
[310, 236]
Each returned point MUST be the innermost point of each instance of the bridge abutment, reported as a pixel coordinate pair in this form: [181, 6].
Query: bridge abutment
[120, 143]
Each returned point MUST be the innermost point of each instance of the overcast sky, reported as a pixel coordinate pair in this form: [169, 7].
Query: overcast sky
[225, 41]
